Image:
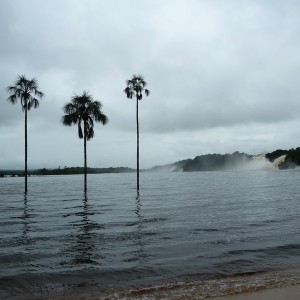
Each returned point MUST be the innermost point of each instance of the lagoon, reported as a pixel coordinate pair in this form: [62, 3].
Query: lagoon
[201, 228]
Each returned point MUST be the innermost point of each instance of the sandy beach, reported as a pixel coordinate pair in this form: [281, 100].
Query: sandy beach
[288, 293]
[284, 293]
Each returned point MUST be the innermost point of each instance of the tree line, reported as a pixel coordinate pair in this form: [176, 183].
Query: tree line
[82, 111]
[216, 162]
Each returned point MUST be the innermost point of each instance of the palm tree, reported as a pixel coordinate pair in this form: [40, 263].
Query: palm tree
[27, 92]
[135, 88]
[83, 110]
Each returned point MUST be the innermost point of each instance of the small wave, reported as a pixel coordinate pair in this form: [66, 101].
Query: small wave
[207, 230]
[154, 220]
[272, 221]
[132, 224]
[281, 250]
[284, 250]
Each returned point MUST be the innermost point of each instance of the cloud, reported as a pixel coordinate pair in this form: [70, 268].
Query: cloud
[215, 70]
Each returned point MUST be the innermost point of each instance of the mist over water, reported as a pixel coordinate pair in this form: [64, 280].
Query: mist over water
[183, 226]
[258, 163]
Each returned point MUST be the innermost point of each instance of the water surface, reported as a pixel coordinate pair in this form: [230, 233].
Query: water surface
[183, 227]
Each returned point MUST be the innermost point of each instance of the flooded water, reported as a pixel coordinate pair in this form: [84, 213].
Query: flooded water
[201, 233]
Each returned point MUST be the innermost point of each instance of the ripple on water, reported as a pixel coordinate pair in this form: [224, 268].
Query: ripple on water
[184, 234]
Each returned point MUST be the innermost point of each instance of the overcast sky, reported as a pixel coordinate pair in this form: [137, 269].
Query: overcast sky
[224, 76]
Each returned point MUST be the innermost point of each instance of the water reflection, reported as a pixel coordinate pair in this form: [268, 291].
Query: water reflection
[26, 222]
[140, 254]
[85, 248]
[138, 211]
[26, 250]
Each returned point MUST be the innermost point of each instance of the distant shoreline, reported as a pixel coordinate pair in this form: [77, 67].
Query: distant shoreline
[278, 159]
[65, 171]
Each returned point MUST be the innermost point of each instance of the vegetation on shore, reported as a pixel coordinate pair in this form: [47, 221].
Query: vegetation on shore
[207, 162]
[66, 171]
[214, 162]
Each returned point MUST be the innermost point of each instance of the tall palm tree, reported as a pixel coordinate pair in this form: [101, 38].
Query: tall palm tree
[84, 111]
[25, 90]
[135, 89]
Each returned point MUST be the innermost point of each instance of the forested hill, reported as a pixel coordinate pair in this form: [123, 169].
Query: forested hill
[280, 159]
[208, 162]
[213, 162]
[286, 159]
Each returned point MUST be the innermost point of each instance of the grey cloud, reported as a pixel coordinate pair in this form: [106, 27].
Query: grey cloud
[209, 65]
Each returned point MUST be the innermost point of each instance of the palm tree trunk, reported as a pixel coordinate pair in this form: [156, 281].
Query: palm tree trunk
[137, 147]
[85, 163]
[26, 148]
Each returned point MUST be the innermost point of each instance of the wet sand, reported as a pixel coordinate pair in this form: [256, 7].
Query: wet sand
[284, 293]
[275, 285]
[288, 293]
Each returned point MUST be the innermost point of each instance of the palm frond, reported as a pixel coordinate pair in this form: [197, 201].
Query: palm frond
[90, 121]
[102, 118]
[69, 108]
[36, 103]
[135, 87]
[67, 120]
[129, 92]
[39, 93]
[90, 133]
[13, 99]
[24, 107]
[29, 105]
[83, 108]
[23, 90]
[80, 133]
[12, 89]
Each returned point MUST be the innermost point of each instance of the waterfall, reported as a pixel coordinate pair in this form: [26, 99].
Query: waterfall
[264, 164]
[259, 162]
[279, 160]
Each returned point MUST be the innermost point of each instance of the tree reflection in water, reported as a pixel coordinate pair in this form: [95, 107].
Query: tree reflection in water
[26, 240]
[140, 253]
[85, 250]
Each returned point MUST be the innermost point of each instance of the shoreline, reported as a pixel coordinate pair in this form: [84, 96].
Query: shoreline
[282, 293]
[275, 285]
[279, 293]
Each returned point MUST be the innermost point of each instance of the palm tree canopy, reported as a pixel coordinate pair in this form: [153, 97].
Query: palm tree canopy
[83, 109]
[136, 87]
[27, 91]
